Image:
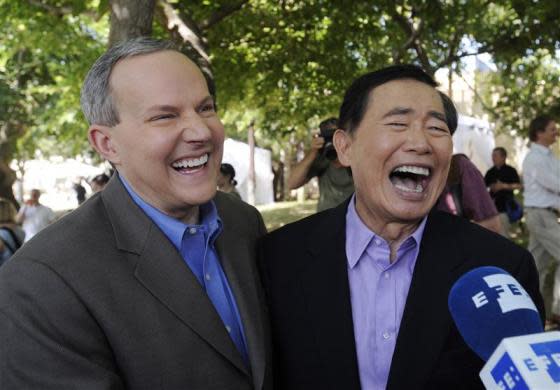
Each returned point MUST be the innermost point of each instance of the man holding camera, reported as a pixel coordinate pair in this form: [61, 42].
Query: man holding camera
[335, 180]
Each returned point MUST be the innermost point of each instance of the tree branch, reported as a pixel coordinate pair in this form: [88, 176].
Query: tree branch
[455, 58]
[182, 24]
[223, 12]
[59, 12]
[480, 99]
[412, 41]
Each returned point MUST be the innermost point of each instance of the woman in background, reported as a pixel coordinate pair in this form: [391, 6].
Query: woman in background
[11, 234]
[466, 195]
[226, 181]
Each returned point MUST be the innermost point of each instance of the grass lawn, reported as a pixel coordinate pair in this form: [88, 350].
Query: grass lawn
[279, 214]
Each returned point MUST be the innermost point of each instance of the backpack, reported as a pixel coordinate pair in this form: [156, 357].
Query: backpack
[514, 210]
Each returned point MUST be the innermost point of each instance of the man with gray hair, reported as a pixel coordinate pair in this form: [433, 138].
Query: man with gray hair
[152, 283]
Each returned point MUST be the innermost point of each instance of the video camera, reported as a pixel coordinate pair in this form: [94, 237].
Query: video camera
[327, 129]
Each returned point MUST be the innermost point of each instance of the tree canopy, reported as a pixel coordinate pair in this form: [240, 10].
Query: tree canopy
[281, 64]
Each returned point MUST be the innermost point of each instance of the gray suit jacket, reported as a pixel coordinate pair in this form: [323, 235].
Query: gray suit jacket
[102, 300]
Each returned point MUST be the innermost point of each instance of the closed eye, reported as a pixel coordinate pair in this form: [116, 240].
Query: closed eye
[439, 128]
[208, 107]
[397, 124]
[162, 117]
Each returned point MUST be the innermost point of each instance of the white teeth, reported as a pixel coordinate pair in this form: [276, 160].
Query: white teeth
[191, 163]
[413, 169]
[418, 188]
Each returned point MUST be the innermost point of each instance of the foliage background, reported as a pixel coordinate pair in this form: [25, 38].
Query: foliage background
[283, 65]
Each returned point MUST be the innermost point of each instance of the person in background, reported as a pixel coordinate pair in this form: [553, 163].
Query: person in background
[226, 180]
[321, 161]
[502, 179]
[80, 191]
[99, 182]
[153, 282]
[34, 216]
[358, 294]
[541, 197]
[11, 234]
[465, 195]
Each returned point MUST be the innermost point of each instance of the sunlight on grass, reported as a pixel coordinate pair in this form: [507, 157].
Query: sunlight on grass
[281, 213]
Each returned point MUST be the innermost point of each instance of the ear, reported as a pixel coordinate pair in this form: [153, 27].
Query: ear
[101, 139]
[342, 143]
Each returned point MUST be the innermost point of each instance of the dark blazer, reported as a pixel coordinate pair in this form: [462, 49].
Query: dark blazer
[304, 269]
[102, 300]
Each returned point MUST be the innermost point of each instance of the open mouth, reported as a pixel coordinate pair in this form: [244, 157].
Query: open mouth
[190, 164]
[410, 178]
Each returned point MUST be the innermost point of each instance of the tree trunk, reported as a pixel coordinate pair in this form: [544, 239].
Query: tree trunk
[7, 179]
[130, 19]
[251, 182]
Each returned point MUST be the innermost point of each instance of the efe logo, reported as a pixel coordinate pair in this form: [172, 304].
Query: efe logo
[510, 294]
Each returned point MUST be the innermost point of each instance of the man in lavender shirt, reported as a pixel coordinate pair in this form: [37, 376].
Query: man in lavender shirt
[357, 294]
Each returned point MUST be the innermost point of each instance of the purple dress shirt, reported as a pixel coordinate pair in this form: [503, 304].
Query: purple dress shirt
[378, 291]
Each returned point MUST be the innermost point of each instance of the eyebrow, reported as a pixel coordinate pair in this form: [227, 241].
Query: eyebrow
[162, 107]
[172, 108]
[406, 111]
[398, 111]
[207, 99]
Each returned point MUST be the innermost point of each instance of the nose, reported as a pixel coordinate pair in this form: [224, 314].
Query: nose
[195, 129]
[417, 139]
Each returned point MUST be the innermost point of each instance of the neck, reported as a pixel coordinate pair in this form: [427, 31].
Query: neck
[542, 143]
[394, 232]
[191, 217]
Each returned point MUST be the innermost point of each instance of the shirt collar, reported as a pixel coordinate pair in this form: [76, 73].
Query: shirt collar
[173, 228]
[359, 236]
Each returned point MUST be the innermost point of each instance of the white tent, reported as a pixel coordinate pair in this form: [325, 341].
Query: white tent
[236, 153]
[475, 138]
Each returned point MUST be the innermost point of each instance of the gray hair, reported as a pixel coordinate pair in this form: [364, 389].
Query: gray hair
[96, 100]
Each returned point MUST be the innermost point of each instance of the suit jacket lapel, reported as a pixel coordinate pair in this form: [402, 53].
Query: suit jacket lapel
[239, 264]
[326, 291]
[162, 271]
[425, 324]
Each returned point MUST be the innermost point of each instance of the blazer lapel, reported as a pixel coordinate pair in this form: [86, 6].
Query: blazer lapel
[425, 324]
[239, 264]
[327, 295]
[162, 271]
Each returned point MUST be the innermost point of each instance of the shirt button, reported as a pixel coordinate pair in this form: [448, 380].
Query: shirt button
[207, 276]
[386, 335]
[377, 242]
[228, 328]
[386, 275]
[192, 230]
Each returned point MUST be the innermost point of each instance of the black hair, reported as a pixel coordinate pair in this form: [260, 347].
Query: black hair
[101, 179]
[328, 123]
[356, 98]
[451, 116]
[228, 170]
[501, 150]
[538, 125]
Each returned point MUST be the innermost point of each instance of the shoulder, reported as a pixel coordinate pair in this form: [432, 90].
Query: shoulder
[230, 204]
[77, 235]
[237, 214]
[472, 241]
[305, 230]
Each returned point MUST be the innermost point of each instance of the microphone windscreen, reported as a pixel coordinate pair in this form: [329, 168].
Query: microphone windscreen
[487, 305]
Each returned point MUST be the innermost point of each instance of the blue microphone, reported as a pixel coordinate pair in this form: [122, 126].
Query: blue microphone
[499, 322]
[488, 304]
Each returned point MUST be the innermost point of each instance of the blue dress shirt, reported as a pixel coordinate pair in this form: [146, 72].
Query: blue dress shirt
[195, 243]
